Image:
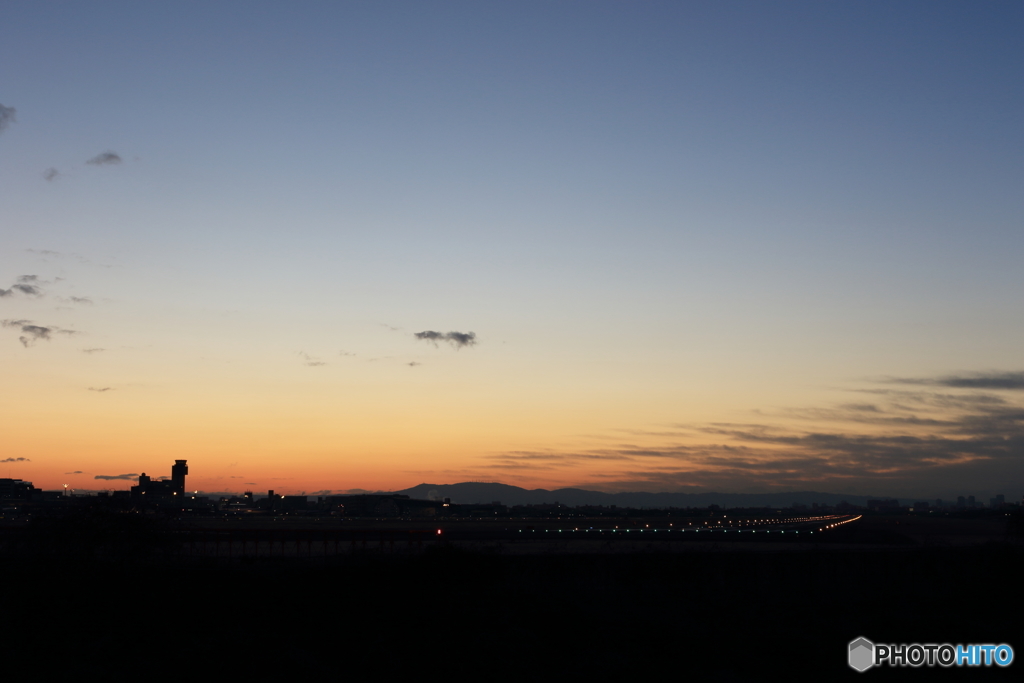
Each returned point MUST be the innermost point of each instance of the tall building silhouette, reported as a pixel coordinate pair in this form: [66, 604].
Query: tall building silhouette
[178, 472]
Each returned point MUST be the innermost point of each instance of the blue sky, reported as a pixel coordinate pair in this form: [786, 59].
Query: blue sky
[650, 214]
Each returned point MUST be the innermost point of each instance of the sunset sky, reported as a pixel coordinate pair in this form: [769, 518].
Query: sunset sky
[719, 246]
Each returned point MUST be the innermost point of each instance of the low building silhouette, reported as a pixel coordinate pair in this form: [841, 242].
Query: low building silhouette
[16, 489]
[150, 489]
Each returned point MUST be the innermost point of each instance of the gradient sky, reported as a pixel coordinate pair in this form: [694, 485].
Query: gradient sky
[732, 246]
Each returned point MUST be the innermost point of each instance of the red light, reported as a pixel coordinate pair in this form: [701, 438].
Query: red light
[438, 532]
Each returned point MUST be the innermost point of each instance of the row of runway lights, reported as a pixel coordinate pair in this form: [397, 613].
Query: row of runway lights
[753, 522]
[845, 521]
[753, 531]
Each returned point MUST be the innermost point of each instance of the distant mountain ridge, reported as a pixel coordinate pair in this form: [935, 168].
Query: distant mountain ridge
[470, 493]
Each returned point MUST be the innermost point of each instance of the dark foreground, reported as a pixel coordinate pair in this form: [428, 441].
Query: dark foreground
[454, 613]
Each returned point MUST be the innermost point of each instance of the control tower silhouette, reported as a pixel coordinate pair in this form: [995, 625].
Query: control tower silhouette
[178, 473]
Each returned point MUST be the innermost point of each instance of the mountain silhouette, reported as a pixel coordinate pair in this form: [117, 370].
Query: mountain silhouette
[470, 493]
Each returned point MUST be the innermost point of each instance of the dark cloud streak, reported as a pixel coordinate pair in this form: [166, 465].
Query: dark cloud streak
[979, 380]
[6, 116]
[104, 159]
[456, 339]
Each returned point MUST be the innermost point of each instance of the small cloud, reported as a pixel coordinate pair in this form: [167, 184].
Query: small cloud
[92, 350]
[110, 477]
[462, 338]
[33, 333]
[310, 360]
[413, 364]
[430, 336]
[51, 174]
[81, 300]
[75, 472]
[101, 389]
[456, 339]
[25, 286]
[104, 159]
[44, 252]
[15, 460]
[6, 116]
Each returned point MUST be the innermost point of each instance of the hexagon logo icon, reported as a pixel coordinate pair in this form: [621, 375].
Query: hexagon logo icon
[862, 654]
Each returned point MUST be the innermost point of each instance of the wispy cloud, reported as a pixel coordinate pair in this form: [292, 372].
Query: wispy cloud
[100, 389]
[310, 360]
[456, 339]
[15, 460]
[112, 477]
[92, 350]
[106, 158]
[6, 117]
[904, 443]
[51, 174]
